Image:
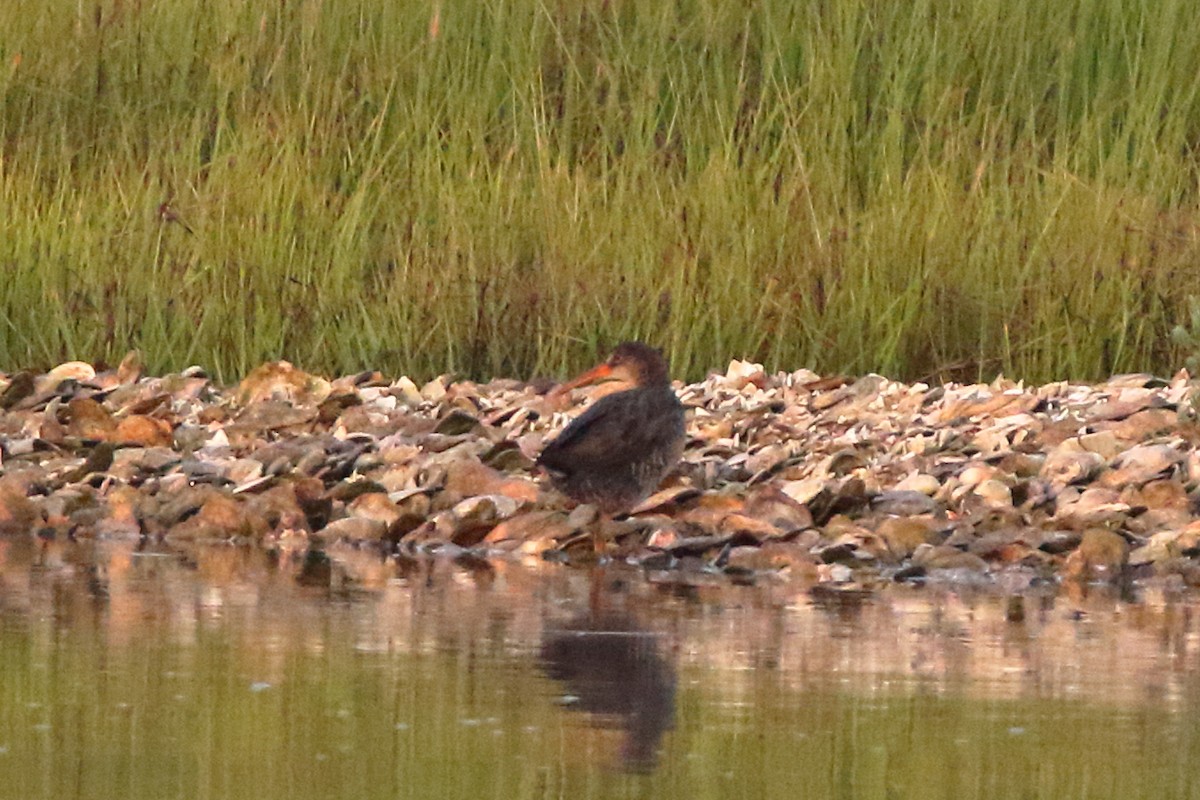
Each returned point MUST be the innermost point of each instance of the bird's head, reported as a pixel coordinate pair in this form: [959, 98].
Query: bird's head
[631, 363]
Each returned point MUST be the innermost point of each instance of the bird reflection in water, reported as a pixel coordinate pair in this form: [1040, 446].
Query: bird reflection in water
[612, 669]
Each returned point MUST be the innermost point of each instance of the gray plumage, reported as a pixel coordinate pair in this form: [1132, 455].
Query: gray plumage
[617, 452]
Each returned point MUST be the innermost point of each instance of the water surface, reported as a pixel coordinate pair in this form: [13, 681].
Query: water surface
[223, 672]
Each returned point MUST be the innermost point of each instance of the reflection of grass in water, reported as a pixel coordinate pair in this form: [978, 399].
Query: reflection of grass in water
[831, 745]
[150, 718]
[940, 187]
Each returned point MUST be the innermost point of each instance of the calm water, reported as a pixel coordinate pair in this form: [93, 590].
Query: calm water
[230, 673]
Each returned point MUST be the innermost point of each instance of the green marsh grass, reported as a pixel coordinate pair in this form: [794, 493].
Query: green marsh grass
[937, 188]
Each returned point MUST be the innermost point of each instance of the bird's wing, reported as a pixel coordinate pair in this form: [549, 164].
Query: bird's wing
[610, 432]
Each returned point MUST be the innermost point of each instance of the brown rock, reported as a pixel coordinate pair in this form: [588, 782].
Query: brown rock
[942, 557]
[1141, 464]
[700, 521]
[280, 506]
[771, 504]
[791, 557]
[353, 529]
[19, 386]
[1119, 409]
[374, 505]
[533, 532]
[1101, 555]
[666, 500]
[121, 504]
[130, 368]
[474, 517]
[18, 513]
[99, 459]
[919, 482]
[1157, 495]
[1069, 463]
[999, 405]
[279, 380]
[143, 431]
[747, 526]
[50, 429]
[90, 420]
[268, 415]
[995, 493]
[220, 517]
[1167, 545]
[467, 477]
[1093, 506]
[903, 535]
[1144, 424]
[1105, 444]
[225, 514]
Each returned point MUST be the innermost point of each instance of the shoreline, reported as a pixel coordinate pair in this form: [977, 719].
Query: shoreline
[839, 482]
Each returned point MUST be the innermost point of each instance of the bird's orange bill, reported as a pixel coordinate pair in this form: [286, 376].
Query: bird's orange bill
[593, 375]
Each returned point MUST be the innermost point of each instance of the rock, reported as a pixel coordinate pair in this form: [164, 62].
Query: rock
[1069, 463]
[129, 371]
[282, 507]
[532, 532]
[903, 535]
[121, 517]
[903, 503]
[773, 505]
[582, 516]
[1142, 464]
[260, 416]
[743, 525]
[1094, 505]
[18, 513]
[918, 482]
[375, 506]
[994, 493]
[1143, 425]
[871, 474]
[671, 498]
[1101, 555]
[353, 529]
[976, 474]
[1166, 545]
[87, 419]
[434, 390]
[474, 517]
[468, 476]
[143, 431]
[456, 423]
[1103, 443]
[98, 460]
[280, 381]
[71, 371]
[19, 387]
[940, 557]
[220, 517]
[802, 491]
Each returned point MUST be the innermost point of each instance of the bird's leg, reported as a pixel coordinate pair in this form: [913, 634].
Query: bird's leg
[600, 534]
[596, 591]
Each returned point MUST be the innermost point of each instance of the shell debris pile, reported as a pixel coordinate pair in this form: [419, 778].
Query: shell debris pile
[837, 480]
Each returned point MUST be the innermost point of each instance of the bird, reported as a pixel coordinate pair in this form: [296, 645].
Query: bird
[615, 454]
